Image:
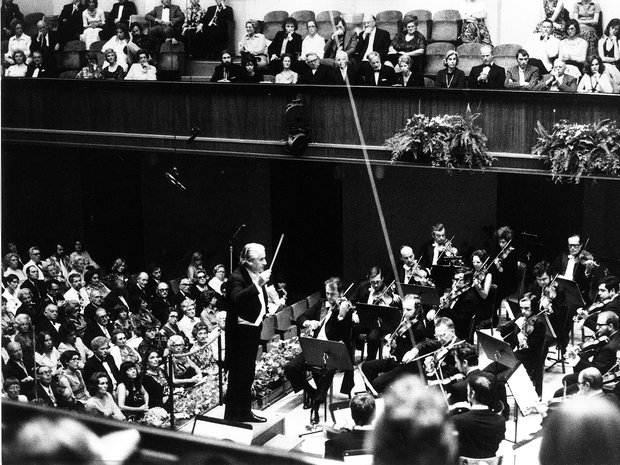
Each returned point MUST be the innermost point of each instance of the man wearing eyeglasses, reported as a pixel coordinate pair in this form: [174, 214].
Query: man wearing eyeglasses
[42, 392]
[573, 266]
[591, 385]
[35, 259]
[314, 72]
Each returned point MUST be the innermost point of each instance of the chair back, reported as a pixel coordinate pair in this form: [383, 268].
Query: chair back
[72, 56]
[313, 299]
[446, 26]
[272, 23]
[425, 21]
[497, 460]
[504, 55]
[299, 308]
[269, 329]
[302, 17]
[435, 54]
[391, 21]
[172, 57]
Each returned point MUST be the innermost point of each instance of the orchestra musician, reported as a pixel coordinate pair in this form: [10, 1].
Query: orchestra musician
[577, 265]
[482, 281]
[375, 292]
[466, 362]
[381, 373]
[461, 303]
[412, 272]
[591, 385]
[329, 319]
[505, 266]
[607, 300]
[247, 307]
[437, 250]
[526, 335]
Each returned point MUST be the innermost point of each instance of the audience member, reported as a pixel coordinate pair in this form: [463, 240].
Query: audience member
[609, 50]
[11, 283]
[371, 39]
[27, 306]
[48, 43]
[557, 80]
[595, 79]
[286, 41]
[162, 302]
[544, 47]
[184, 371]
[193, 38]
[70, 340]
[18, 41]
[93, 20]
[118, 42]
[226, 71]
[473, 14]
[151, 341]
[118, 16]
[214, 25]
[16, 367]
[133, 400]
[166, 22]
[142, 71]
[523, 76]
[43, 393]
[137, 41]
[71, 375]
[92, 278]
[91, 71]
[377, 74]
[414, 427]
[118, 270]
[9, 15]
[101, 401]
[195, 264]
[587, 13]
[102, 361]
[48, 322]
[35, 259]
[12, 265]
[313, 42]
[573, 50]
[219, 271]
[77, 291]
[35, 285]
[155, 380]
[488, 75]
[202, 352]
[253, 45]
[100, 326]
[363, 413]
[13, 390]
[138, 290]
[451, 77]
[338, 42]
[344, 73]
[121, 352]
[123, 322]
[313, 72]
[189, 319]
[112, 69]
[287, 75]
[410, 43]
[70, 22]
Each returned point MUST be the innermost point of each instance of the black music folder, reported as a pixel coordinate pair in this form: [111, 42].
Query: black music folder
[378, 316]
[428, 294]
[332, 355]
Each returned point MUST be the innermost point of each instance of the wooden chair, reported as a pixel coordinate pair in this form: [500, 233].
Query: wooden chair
[269, 329]
[272, 23]
[435, 54]
[284, 326]
[69, 74]
[391, 21]
[428, 82]
[425, 21]
[302, 17]
[52, 22]
[446, 26]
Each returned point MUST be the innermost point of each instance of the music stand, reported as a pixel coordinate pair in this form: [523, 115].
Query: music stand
[443, 274]
[497, 350]
[428, 295]
[378, 316]
[572, 293]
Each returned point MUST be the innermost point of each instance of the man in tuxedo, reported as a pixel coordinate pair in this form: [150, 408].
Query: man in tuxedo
[166, 22]
[77, 292]
[162, 303]
[313, 72]
[488, 75]
[248, 306]
[15, 367]
[480, 431]
[35, 259]
[557, 80]
[574, 267]
[10, 13]
[464, 307]
[226, 71]
[34, 284]
[371, 39]
[120, 14]
[437, 249]
[47, 42]
[48, 322]
[377, 74]
[37, 69]
[523, 76]
[184, 292]
[214, 26]
[117, 296]
[591, 385]
[96, 301]
[608, 299]
[100, 327]
[363, 413]
[344, 72]
[43, 392]
[70, 23]
[103, 362]
[406, 274]
[329, 319]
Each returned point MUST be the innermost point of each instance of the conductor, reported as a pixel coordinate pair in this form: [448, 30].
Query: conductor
[248, 306]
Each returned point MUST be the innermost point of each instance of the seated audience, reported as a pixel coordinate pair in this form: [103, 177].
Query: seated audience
[118, 43]
[451, 77]
[287, 75]
[338, 42]
[480, 430]
[19, 41]
[409, 43]
[488, 75]
[171, 328]
[406, 77]
[253, 45]
[121, 352]
[219, 271]
[17, 367]
[19, 69]
[377, 74]
[151, 341]
[544, 47]
[43, 392]
[210, 311]
[101, 401]
[133, 400]
[138, 41]
[118, 270]
[609, 50]
[363, 413]
[102, 361]
[46, 354]
[523, 76]
[557, 80]
[92, 70]
[414, 427]
[119, 16]
[123, 322]
[11, 283]
[573, 50]
[166, 22]
[286, 41]
[554, 12]
[94, 283]
[587, 13]
[195, 264]
[371, 39]
[473, 14]
[112, 70]
[155, 380]
[47, 41]
[227, 71]
[594, 78]
[99, 326]
[214, 26]
[188, 319]
[70, 22]
[203, 352]
[12, 265]
[35, 285]
[13, 390]
[312, 72]
[313, 42]
[582, 431]
[142, 71]
[184, 371]
[9, 15]
[194, 39]
[71, 375]
[70, 340]
[93, 20]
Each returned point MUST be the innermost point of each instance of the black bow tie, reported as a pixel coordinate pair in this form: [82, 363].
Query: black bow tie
[166, 7]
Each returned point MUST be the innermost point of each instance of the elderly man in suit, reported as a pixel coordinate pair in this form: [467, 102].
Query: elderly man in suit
[166, 22]
[523, 76]
[214, 26]
[488, 75]
[313, 72]
[103, 362]
[344, 72]
[48, 43]
[372, 39]
[377, 74]
[557, 80]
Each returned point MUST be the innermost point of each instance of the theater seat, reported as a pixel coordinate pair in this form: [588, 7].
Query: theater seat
[469, 56]
[324, 21]
[272, 23]
[52, 22]
[97, 48]
[504, 55]
[391, 21]
[425, 18]
[302, 17]
[428, 82]
[172, 59]
[72, 56]
[30, 23]
[70, 74]
[446, 26]
[354, 21]
[141, 20]
[435, 54]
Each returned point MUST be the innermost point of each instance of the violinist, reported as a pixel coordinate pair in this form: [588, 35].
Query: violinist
[482, 283]
[526, 335]
[461, 303]
[412, 272]
[505, 265]
[438, 250]
[607, 300]
[466, 362]
[381, 373]
[591, 385]
[329, 319]
[600, 353]
[375, 292]
[577, 265]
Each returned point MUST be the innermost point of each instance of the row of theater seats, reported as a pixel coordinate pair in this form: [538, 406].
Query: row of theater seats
[283, 324]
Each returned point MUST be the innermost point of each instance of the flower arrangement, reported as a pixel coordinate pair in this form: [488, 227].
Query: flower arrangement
[157, 416]
[575, 150]
[452, 141]
[270, 368]
[199, 399]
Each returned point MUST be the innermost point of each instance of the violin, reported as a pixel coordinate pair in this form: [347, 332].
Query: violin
[548, 295]
[593, 309]
[386, 297]
[587, 259]
[585, 349]
[612, 375]
[447, 249]
[419, 275]
[434, 360]
[503, 255]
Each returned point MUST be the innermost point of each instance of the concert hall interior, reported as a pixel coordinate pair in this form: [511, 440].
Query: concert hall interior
[159, 173]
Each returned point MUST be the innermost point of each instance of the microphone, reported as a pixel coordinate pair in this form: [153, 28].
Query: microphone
[238, 231]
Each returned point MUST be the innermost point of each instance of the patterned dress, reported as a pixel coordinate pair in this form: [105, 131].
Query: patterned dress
[475, 31]
[560, 22]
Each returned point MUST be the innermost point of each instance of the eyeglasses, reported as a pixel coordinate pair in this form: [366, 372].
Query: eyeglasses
[602, 324]
[574, 246]
[525, 308]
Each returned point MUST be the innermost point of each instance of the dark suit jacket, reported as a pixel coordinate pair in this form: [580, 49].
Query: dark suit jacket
[44, 71]
[495, 79]
[93, 330]
[512, 77]
[332, 46]
[224, 17]
[569, 83]
[176, 15]
[70, 24]
[161, 308]
[112, 300]
[480, 433]
[321, 76]
[579, 273]
[380, 45]
[458, 389]
[10, 369]
[613, 306]
[457, 81]
[234, 72]
[37, 288]
[387, 77]
[415, 80]
[9, 12]
[243, 298]
[293, 46]
[605, 357]
[42, 395]
[128, 10]
[44, 324]
[355, 79]
[347, 440]
[94, 364]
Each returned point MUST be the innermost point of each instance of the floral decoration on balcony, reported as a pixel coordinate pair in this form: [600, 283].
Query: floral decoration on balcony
[270, 368]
